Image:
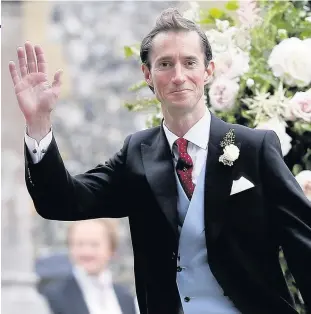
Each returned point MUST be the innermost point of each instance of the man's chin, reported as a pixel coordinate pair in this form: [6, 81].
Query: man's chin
[93, 271]
[180, 105]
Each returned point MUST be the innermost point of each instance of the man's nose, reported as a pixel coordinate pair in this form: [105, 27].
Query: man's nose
[179, 76]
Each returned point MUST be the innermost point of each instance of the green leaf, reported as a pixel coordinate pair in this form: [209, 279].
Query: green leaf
[265, 80]
[306, 127]
[307, 159]
[154, 121]
[277, 10]
[300, 127]
[245, 114]
[141, 104]
[296, 169]
[215, 13]
[232, 5]
[305, 34]
[128, 52]
[206, 21]
[206, 18]
[138, 86]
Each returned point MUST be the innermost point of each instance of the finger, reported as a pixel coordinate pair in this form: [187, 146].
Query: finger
[41, 63]
[57, 78]
[22, 61]
[31, 60]
[14, 74]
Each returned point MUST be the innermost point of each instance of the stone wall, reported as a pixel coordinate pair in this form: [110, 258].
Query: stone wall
[17, 277]
[86, 39]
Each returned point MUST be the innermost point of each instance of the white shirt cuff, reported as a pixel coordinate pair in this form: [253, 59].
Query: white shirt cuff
[36, 150]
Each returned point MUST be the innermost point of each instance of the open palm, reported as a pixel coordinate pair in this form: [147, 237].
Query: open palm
[35, 96]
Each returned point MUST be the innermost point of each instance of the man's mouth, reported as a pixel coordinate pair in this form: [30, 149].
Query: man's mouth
[180, 91]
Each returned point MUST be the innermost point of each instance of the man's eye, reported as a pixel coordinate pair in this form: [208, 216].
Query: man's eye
[164, 64]
[191, 63]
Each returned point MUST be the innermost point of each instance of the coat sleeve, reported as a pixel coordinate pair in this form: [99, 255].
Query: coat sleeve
[292, 218]
[53, 308]
[57, 195]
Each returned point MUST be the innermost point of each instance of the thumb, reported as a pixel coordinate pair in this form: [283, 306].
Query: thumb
[57, 83]
[57, 78]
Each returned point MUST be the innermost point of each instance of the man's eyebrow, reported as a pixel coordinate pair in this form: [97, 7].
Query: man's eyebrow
[189, 57]
[164, 58]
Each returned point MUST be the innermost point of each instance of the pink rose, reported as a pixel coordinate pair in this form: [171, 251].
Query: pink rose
[222, 93]
[231, 64]
[300, 106]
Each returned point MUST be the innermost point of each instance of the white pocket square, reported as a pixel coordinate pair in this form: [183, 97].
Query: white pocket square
[241, 185]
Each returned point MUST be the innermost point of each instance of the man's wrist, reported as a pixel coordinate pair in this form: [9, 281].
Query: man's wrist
[38, 129]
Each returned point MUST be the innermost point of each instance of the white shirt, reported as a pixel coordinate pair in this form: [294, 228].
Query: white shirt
[98, 292]
[198, 137]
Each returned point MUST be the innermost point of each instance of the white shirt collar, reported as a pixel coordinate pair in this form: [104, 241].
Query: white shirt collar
[104, 279]
[98, 291]
[198, 134]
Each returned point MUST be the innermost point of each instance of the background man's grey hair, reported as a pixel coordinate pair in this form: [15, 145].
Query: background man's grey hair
[172, 20]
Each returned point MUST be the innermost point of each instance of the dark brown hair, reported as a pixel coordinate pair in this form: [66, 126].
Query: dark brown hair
[172, 20]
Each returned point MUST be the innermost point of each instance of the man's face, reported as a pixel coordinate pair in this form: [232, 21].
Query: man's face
[178, 73]
[89, 246]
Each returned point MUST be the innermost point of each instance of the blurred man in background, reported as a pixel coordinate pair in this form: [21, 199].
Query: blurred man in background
[90, 288]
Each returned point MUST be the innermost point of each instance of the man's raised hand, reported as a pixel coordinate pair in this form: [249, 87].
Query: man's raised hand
[36, 97]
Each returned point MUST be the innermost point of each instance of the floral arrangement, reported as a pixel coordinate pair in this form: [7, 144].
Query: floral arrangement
[262, 77]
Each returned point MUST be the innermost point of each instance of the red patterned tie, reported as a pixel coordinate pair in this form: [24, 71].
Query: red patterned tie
[185, 173]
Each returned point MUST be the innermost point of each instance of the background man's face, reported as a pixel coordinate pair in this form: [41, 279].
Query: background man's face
[178, 73]
[89, 246]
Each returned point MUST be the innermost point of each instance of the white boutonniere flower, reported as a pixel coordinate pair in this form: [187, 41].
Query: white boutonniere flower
[230, 152]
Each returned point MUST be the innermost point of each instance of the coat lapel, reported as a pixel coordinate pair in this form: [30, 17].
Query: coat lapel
[218, 181]
[74, 298]
[159, 169]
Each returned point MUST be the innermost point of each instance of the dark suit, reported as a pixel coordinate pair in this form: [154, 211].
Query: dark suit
[243, 231]
[66, 298]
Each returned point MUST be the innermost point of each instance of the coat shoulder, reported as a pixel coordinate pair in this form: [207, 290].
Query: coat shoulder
[249, 136]
[57, 288]
[146, 136]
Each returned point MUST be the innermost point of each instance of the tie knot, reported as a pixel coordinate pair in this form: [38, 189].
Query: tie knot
[182, 145]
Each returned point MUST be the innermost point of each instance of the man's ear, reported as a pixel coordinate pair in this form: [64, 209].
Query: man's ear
[209, 72]
[147, 75]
